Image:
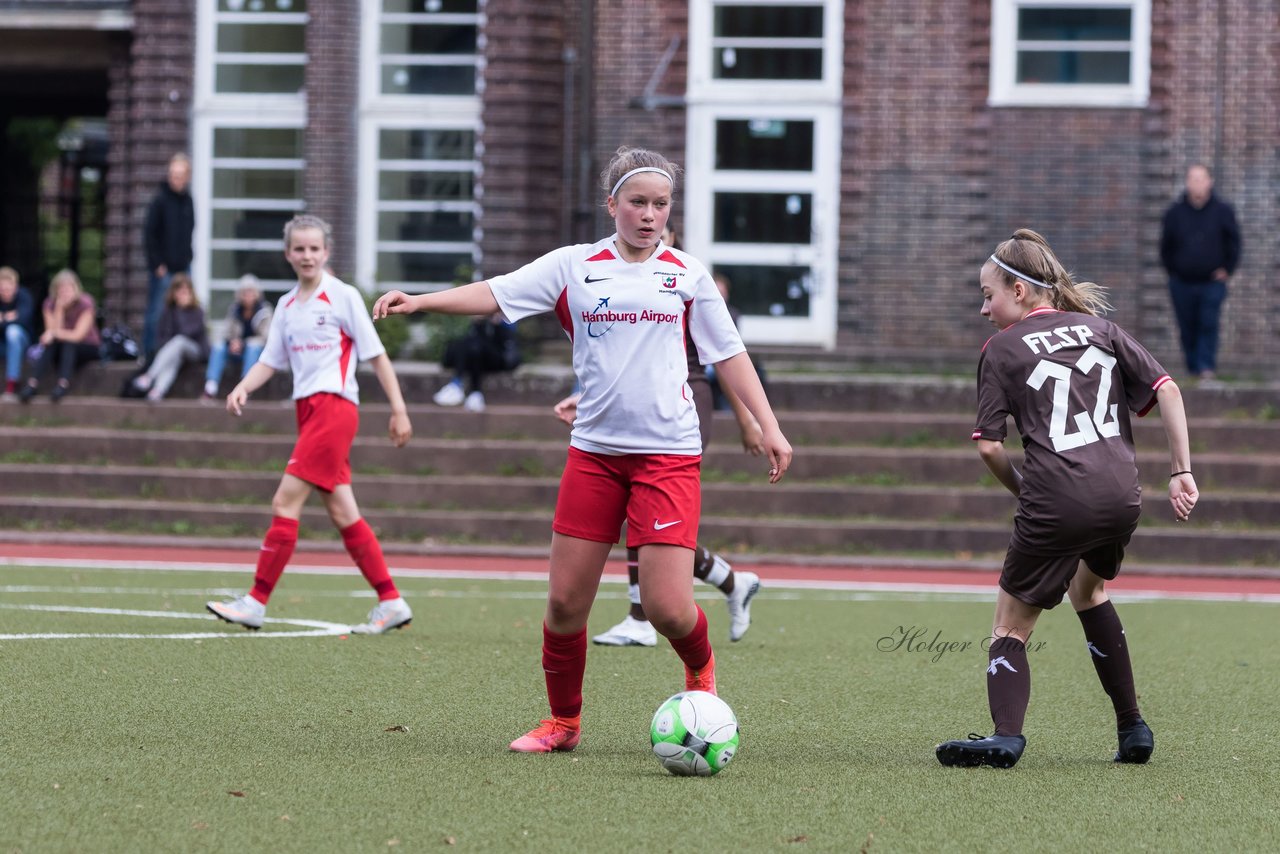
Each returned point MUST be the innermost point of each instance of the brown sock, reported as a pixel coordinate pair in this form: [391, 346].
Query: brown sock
[1104, 636]
[1008, 685]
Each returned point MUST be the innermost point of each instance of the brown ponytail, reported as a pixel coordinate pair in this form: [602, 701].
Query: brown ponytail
[1029, 252]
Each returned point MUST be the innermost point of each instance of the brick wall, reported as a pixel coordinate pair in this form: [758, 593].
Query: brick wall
[150, 119]
[523, 189]
[332, 83]
[631, 37]
[933, 177]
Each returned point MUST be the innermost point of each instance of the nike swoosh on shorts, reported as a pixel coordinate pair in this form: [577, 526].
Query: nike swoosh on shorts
[658, 527]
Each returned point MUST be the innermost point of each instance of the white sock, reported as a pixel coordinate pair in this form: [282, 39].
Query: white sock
[633, 593]
[720, 570]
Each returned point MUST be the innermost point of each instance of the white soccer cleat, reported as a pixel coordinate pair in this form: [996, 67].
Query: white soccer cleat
[745, 587]
[450, 395]
[245, 611]
[385, 616]
[474, 402]
[630, 632]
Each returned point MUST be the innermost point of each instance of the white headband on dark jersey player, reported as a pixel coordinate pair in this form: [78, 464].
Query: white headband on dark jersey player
[1021, 275]
[663, 172]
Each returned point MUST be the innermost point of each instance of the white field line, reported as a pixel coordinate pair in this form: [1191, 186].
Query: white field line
[314, 628]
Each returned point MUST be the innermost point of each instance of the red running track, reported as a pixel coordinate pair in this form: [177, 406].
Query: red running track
[151, 557]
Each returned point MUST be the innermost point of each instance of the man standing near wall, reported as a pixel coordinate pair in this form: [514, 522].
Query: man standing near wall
[1200, 249]
[167, 233]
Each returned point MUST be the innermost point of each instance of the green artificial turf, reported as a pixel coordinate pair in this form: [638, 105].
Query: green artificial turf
[398, 743]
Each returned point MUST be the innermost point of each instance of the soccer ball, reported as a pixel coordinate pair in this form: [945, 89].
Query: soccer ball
[694, 733]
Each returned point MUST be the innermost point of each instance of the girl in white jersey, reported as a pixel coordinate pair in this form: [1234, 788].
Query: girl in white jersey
[635, 450]
[319, 332]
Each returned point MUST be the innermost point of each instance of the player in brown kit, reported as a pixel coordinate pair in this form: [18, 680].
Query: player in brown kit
[1069, 378]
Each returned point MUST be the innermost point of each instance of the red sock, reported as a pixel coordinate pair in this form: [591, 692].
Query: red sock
[694, 648]
[277, 548]
[564, 660]
[362, 544]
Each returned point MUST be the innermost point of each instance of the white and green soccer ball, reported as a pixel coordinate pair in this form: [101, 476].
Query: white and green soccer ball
[694, 733]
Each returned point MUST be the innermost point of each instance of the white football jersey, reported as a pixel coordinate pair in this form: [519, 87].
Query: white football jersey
[627, 323]
[322, 339]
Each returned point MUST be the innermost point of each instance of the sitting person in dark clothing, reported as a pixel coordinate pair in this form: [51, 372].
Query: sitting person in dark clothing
[70, 338]
[181, 335]
[490, 346]
[17, 310]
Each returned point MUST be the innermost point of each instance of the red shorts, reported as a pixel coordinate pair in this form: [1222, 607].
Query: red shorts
[327, 425]
[659, 496]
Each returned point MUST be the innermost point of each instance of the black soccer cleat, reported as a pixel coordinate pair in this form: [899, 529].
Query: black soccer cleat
[1136, 743]
[998, 751]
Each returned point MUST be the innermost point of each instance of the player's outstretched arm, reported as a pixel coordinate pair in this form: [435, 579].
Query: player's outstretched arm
[1183, 493]
[738, 375]
[399, 428]
[475, 298]
[252, 381]
[993, 454]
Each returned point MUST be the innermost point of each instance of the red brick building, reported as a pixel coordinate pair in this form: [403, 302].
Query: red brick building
[850, 164]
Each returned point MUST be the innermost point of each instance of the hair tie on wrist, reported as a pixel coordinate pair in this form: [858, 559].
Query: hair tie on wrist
[1176, 473]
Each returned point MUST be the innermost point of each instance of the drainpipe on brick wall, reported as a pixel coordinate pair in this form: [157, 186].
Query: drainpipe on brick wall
[583, 224]
[570, 57]
[1219, 93]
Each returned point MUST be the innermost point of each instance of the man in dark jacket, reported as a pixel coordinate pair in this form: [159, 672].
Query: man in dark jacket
[1200, 248]
[170, 223]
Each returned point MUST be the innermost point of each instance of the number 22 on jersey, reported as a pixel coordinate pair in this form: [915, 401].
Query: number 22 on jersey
[1101, 423]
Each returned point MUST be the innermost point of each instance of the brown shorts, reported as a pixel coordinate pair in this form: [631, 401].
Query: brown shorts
[1042, 580]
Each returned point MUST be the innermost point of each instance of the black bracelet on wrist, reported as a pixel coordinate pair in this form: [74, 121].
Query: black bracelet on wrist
[1176, 473]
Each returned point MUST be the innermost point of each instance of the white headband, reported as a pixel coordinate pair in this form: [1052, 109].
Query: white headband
[663, 172]
[1021, 275]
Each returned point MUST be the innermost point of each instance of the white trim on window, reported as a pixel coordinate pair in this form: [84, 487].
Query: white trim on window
[379, 111]
[817, 101]
[1006, 91]
[703, 84]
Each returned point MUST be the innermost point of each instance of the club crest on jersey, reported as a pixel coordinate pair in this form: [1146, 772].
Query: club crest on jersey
[669, 282]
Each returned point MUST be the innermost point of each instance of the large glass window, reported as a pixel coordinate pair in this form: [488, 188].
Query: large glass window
[419, 143]
[426, 210]
[259, 46]
[256, 188]
[774, 42]
[429, 47]
[1090, 52]
[764, 153]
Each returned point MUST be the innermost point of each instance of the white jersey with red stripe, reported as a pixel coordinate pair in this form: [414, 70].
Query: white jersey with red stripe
[627, 323]
[322, 339]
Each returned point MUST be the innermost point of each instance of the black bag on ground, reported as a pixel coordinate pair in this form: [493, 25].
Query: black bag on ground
[118, 344]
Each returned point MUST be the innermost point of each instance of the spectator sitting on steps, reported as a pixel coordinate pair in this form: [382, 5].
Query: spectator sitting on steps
[248, 320]
[490, 346]
[17, 310]
[70, 337]
[182, 337]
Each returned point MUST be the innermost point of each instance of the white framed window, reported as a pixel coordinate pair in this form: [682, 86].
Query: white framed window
[1086, 53]
[258, 47]
[247, 144]
[762, 185]
[748, 48]
[419, 150]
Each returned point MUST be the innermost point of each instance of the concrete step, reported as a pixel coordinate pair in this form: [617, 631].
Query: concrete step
[728, 533]
[507, 457]
[793, 499]
[541, 384]
[803, 429]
